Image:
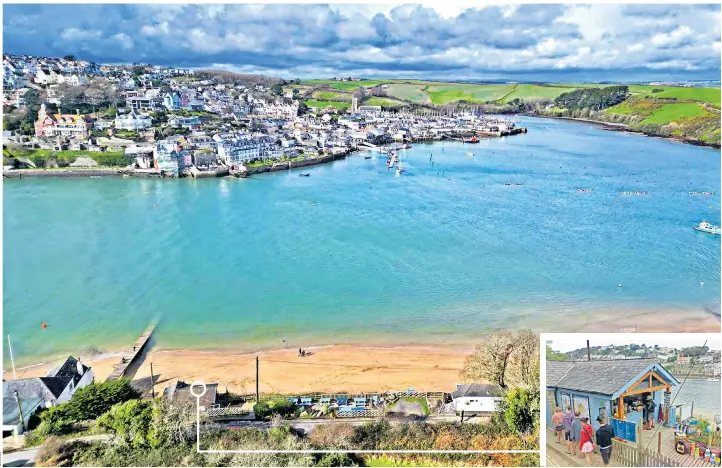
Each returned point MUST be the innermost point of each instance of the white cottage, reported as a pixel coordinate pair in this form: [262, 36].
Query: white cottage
[476, 398]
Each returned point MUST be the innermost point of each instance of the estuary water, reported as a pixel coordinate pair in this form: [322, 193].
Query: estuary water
[356, 254]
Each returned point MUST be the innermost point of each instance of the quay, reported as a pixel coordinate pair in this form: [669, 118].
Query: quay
[130, 355]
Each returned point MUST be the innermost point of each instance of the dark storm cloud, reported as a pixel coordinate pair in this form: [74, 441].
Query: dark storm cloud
[415, 40]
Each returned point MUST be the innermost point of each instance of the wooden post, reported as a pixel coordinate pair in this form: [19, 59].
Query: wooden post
[152, 382]
[257, 400]
[659, 442]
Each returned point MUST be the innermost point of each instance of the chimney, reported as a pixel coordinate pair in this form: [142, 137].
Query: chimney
[79, 365]
[589, 355]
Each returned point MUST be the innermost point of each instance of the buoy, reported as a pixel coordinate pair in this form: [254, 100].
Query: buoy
[619, 285]
[155, 206]
[44, 325]
[701, 283]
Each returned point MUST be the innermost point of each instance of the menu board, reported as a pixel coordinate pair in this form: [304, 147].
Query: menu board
[626, 430]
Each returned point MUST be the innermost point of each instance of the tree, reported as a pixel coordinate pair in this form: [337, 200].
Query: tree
[69, 58]
[277, 89]
[552, 355]
[518, 411]
[131, 422]
[95, 399]
[489, 360]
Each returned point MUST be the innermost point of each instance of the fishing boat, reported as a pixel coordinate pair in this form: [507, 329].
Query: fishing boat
[704, 226]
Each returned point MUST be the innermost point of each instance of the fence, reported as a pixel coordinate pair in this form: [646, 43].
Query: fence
[369, 413]
[228, 411]
[630, 455]
[368, 396]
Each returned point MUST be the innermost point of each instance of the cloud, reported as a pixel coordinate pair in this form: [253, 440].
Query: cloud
[432, 40]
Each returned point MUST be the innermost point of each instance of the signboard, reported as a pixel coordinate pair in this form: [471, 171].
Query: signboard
[667, 398]
[626, 430]
[581, 405]
[566, 401]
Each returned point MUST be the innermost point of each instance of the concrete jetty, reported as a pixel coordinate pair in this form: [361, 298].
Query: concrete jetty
[131, 354]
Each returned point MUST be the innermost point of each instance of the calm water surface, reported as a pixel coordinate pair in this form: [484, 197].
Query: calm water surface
[356, 254]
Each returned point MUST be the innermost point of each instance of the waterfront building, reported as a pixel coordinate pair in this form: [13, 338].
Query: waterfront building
[192, 123]
[476, 398]
[611, 388]
[63, 125]
[170, 157]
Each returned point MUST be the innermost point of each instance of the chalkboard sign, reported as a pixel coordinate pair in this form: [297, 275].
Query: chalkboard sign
[626, 430]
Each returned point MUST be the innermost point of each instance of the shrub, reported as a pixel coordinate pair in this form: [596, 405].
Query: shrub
[131, 422]
[336, 459]
[56, 420]
[261, 410]
[56, 452]
[518, 411]
[95, 399]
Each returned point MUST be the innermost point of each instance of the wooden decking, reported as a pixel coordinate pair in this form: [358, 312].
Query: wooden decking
[685, 460]
[131, 354]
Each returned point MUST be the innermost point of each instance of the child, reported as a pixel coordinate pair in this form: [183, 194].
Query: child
[586, 445]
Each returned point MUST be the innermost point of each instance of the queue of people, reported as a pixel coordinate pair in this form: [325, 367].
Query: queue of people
[578, 433]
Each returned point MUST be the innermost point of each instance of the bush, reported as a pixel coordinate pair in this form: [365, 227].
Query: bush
[93, 400]
[283, 408]
[336, 459]
[56, 452]
[518, 411]
[131, 422]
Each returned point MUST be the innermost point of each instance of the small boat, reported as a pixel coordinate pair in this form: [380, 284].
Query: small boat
[307, 174]
[712, 380]
[470, 154]
[471, 140]
[704, 226]
[367, 157]
[399, 170]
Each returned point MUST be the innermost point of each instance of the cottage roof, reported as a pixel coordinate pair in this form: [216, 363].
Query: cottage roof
[11, 414]
[180, 392]
[604, 377]
[476, 390]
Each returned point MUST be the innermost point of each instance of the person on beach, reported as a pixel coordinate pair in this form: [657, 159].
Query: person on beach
[567, 420]
[586, 444]
[605, 434]
[300, 352]
[576, 433]
[558, 423]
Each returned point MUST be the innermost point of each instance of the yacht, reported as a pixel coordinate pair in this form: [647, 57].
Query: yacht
[704, 226]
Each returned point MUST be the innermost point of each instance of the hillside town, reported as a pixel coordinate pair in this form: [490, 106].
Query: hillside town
[153, 121]
[700, 359]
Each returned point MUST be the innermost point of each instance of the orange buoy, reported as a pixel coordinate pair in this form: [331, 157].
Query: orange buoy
[44, 325]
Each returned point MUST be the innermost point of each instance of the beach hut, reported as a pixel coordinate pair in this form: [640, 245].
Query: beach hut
[612, 388]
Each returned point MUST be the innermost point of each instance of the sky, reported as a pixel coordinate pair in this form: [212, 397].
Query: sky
[438, 41]
[571, 341]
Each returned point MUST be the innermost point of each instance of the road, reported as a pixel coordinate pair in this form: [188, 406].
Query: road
[27, 457]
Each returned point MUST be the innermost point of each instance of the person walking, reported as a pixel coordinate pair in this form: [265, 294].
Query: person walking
[567, 420]
[586, 444]
[576, 434]
[557, 422]
[605, 434]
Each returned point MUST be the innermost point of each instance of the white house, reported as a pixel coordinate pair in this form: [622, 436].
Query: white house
[476, 398]
[133, 121]
[172, 101]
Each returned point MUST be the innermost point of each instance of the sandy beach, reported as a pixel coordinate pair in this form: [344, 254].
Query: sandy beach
[341, 368]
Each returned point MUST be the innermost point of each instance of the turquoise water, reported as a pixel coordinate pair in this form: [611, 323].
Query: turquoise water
[354, 254]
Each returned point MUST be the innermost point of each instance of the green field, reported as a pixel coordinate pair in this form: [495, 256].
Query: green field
[710, 95]
[324, 104]
[326, 95]
[667, 113]
[411, 92]
[533, 91]
[444, 94]
[346, 85]
[382, 101]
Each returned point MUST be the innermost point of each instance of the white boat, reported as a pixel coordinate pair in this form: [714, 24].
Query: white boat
[399, 170]
[712, 380]
[704, 226]
[470, 154]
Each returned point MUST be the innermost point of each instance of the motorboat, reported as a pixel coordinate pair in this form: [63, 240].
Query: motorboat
[470, 154]
[367, 157]
[399, 170]
[704, 226]
[307, 174]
